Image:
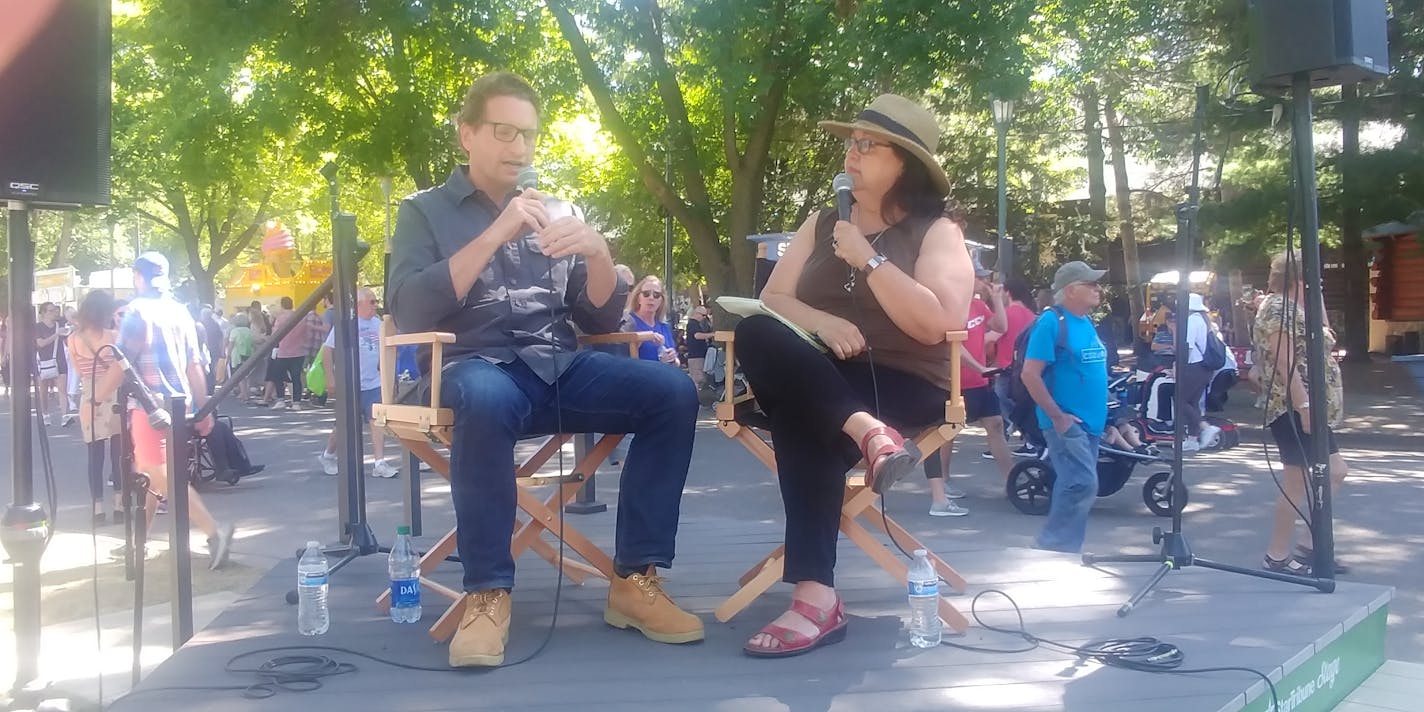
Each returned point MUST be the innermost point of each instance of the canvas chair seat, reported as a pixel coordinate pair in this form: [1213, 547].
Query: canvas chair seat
[739, 418]
[422, 426]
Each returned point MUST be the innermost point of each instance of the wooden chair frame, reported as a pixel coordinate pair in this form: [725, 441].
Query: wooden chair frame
[860, 507]
[421, 427]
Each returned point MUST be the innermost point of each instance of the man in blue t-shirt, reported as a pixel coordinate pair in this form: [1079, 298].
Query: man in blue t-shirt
[1070, 386]
[368, 350]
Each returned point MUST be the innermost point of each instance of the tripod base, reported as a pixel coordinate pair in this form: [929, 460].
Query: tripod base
[1177, 554]
[363, 543]
[585, 507]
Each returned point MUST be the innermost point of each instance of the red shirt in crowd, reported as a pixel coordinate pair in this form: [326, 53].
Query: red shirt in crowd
[1018, 317]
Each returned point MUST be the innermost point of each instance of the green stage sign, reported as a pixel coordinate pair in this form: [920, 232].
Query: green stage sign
[1331, 674]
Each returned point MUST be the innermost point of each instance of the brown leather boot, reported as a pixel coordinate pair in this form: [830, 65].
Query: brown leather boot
[483, 631]
[639, 601]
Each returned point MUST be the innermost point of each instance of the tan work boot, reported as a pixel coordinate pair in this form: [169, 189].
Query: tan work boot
[639, 601]
[483, 631]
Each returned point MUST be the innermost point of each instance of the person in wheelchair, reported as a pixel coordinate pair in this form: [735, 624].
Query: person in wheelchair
[879, 291]
[482, 259]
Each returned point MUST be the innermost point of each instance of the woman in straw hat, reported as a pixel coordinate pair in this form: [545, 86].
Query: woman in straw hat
[879, 291]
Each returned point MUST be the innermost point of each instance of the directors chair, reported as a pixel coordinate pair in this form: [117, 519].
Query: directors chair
[739, 419]
[420, 428]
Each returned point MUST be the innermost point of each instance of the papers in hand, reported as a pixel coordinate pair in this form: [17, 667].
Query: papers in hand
[743, 307]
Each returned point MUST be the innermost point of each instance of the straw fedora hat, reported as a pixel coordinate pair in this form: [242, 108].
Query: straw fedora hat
[903, 123]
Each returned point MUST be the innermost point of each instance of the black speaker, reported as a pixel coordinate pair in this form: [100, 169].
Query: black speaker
[55, 66]
[1334, 41]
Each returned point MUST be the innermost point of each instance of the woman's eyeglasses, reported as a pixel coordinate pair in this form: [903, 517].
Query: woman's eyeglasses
[863, 145]
[507, 132]
[651, 294]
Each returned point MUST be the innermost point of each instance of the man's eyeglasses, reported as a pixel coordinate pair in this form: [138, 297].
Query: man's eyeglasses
[507, 132]
[863, 145]
[651, 294]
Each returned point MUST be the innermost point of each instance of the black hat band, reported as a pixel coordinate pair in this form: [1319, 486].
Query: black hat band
[892, 126]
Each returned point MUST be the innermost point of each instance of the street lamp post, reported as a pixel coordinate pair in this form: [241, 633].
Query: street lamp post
[387, 187]
[1003, 114]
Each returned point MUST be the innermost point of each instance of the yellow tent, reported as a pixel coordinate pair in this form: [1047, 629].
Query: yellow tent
[262, 283]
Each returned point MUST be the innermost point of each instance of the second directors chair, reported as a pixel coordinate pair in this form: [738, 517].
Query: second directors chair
[739, 419]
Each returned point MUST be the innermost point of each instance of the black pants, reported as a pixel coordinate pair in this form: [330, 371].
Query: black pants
[287, 370]
[807, 396]
[96, 466]
[1191, 384]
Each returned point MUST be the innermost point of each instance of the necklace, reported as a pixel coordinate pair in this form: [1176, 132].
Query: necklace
[850, 278]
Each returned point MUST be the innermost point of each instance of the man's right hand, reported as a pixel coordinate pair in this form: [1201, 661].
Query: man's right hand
[524, 212]
[1063, 421]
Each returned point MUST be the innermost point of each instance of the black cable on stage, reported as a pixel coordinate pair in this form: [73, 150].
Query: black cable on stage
[1140, 654]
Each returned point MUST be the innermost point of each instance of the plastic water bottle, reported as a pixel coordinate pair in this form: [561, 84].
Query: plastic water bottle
[925, 626]
[404, 567]
[313, 617]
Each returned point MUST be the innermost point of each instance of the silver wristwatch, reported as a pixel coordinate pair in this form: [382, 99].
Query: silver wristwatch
[874, 262]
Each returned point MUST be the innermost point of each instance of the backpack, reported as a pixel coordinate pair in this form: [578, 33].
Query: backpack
[1021, 401]
[1214, 356]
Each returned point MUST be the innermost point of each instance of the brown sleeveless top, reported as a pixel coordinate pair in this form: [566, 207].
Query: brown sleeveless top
[822, 286]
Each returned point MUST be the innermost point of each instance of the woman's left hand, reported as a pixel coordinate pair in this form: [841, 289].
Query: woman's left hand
[850, 245]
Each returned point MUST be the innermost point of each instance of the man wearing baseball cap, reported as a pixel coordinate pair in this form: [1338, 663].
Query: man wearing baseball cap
[159, 337]
[1069, 385]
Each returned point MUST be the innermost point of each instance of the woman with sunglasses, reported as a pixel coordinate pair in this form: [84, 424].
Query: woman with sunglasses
[879, 290]
[647, 311]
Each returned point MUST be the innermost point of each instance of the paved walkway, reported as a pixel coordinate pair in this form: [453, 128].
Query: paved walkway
[1377, 526]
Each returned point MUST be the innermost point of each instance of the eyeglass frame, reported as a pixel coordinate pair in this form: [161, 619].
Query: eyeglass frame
[531, 136]
[864, 146]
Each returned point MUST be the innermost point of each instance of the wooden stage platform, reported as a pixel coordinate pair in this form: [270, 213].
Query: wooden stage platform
[1323, 645]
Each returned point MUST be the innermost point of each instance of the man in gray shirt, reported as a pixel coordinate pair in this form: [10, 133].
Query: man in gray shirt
[488, 262]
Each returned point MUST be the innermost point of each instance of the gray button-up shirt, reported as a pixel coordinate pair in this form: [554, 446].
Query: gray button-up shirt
[520, 307]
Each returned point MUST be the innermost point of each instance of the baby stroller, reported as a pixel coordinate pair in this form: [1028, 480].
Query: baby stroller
[1151, 400]
[1030, 483]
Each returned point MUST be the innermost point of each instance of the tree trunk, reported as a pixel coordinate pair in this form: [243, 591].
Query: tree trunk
[1097, 187]
[1353, 252]
[1127, 231]
[66, 241]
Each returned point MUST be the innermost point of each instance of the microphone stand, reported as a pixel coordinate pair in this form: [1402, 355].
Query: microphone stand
[24, 526]
[1176, 551]
[135, 487]
[357, 538]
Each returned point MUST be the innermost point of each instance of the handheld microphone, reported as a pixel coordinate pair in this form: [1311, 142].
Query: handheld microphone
[556, 207]
[843, 184]
[157, 416]
[528, 178]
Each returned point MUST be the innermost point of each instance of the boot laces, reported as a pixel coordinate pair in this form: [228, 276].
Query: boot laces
[480, 605]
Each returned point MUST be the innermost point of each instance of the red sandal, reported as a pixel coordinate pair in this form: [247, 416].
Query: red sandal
[830, 628]
[901, 457]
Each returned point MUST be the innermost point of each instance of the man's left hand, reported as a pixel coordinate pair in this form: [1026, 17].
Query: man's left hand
[205, 426]
[571, 236]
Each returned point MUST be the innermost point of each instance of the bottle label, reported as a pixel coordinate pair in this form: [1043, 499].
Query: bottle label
[405, 593]
[311, 579]
[924, 588]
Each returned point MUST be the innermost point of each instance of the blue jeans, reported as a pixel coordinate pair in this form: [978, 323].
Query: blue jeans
[1074, 456]
[497, 404]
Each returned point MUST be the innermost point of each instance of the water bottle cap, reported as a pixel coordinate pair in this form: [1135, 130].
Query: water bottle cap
[402, 530]
[311, 544]
[921, 553]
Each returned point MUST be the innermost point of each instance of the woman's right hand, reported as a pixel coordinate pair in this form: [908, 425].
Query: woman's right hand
[840, 336]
